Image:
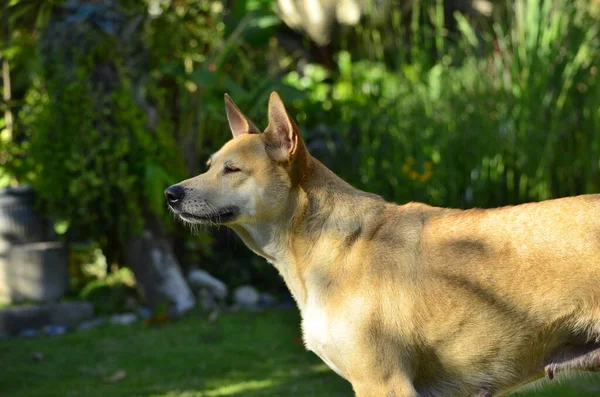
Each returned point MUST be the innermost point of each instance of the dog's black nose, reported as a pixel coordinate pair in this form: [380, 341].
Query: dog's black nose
[174, 194]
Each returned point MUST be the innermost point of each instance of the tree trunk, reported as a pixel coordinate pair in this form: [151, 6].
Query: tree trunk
[159, 279]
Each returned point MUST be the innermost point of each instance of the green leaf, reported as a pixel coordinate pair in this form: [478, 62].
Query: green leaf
[466, 29]
[156, 180]
[204, 78]
[265, 22]
[235, 90]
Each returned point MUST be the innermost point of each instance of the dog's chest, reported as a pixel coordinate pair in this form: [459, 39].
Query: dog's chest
[320, 335]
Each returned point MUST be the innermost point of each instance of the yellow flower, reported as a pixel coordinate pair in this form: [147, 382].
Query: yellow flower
[426, 176]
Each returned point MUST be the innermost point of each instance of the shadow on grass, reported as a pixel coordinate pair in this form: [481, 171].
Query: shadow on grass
[309, 381]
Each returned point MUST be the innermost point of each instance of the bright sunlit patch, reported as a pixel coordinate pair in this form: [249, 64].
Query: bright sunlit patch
[239, 387]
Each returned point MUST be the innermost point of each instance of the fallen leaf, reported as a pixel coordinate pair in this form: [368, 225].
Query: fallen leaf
[117, 376]
[157, 319]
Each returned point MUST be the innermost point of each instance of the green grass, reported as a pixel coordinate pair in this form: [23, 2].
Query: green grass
[240, 354]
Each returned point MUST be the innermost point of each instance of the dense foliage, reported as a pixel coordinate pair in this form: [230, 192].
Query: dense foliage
[505, 115]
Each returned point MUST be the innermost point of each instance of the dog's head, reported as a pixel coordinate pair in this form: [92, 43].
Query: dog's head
[251, 178]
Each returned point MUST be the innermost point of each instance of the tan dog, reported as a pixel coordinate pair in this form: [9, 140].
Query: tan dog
[409, 300]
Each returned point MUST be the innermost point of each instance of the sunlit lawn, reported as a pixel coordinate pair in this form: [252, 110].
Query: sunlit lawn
[240, 354]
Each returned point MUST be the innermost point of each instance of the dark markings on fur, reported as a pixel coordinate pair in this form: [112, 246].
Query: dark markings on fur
[379, 339]
[468, 247]
[324, 281]
[353, 237]
[318, 211]
[376, 230]
[501, 306]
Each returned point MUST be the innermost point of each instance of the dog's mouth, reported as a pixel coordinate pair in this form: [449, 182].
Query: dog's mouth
[223, 215]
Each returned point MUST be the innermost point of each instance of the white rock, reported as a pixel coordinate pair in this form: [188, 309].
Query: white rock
[246, 296]
[123, 319]
[201, 279]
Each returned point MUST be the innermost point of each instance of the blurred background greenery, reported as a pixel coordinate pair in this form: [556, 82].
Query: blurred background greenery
[462, 103]
[454, 103]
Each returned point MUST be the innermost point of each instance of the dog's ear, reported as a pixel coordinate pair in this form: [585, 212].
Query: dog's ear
[238, 123]
[282, 131]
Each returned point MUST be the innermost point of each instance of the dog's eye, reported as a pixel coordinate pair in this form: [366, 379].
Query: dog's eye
[231, 169]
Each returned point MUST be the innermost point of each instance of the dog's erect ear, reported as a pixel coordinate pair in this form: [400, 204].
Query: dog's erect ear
[283, 132]
[238, 123]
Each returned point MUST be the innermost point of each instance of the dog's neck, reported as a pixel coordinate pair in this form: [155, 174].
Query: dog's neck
[315, 207]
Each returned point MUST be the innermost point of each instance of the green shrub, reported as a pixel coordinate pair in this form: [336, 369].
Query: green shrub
[109, 295]
[95, 160]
